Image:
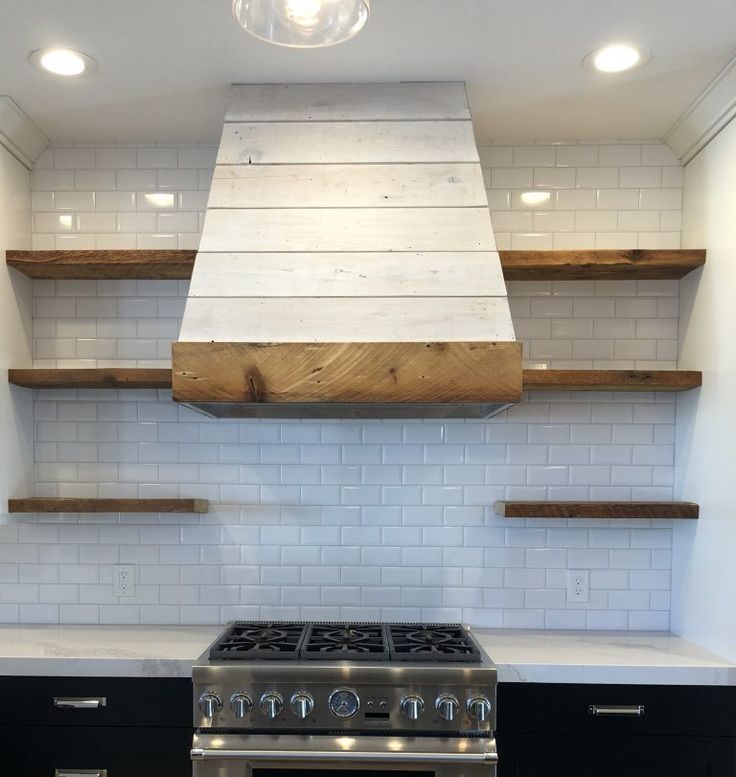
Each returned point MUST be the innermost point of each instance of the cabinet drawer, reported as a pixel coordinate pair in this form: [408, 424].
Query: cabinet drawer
[665, 710]
[90, 701]
[39, 752]
[544, 755]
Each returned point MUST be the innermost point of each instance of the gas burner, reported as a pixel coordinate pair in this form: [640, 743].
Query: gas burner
[274, 641]
[431, 642]
[357, 641]
[346, 641]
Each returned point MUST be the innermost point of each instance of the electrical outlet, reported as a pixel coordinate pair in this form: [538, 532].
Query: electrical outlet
[578, 585]
[123, 580]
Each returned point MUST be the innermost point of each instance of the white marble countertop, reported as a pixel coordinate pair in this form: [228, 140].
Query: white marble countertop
[103, 651]
[606, 657]
[521, 656]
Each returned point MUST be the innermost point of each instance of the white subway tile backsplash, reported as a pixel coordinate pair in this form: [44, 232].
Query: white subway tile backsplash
[577, 156]
[554, 178]
[376, 520]
[640, 177]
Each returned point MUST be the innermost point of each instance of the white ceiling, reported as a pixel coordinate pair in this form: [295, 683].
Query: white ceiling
[164, 65]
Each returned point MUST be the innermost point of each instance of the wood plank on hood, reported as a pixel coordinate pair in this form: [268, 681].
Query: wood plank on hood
[348, 229]
[347, 372]
[350, 142]
[346, 319]
[393, 274]
[347, 102]
[348, 186]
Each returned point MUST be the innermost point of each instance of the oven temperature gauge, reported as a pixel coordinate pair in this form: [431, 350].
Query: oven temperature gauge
[343, 703]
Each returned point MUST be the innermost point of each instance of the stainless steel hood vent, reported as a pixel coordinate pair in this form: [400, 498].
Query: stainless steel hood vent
[347, 266]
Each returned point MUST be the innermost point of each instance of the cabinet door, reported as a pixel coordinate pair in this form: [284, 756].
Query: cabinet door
[567, 755]
[120, 701]
[687, 711]
[29, 751]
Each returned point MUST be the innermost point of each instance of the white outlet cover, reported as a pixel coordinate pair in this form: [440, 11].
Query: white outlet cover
[123, 580]
[578, 586]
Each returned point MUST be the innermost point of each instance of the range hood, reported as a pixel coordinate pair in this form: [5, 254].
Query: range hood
[347, 265]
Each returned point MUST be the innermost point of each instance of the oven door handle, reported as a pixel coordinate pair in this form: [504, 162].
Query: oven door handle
[203, 754]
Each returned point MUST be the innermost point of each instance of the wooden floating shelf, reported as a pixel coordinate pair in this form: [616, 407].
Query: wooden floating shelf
[604, 265]
[71, 505]
[611, 380]
[533, 380]
[153, 264]
[93, 378]
[168, 264]
[602, 510]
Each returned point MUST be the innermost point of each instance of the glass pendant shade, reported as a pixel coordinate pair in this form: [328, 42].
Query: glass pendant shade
[302, 23]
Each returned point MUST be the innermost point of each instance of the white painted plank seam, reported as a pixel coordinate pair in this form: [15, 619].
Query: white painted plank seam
[361, 319]
[348, 101]
[347, 229]
[347, 142]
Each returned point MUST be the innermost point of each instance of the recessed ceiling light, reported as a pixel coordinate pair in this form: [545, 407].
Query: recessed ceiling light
[616, 58]
[62, 62]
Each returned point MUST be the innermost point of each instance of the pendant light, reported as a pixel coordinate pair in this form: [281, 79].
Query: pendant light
[302, 23]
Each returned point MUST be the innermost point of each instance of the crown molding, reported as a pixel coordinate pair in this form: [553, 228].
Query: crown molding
[706, 117]
[19, 135]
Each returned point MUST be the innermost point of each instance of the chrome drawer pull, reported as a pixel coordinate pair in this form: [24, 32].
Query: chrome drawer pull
[80, 703]
[80, 773]
[202, 754]
[621, 711]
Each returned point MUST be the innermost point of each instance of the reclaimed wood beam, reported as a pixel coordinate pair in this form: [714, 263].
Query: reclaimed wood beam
[74, 505]
[148, 264]
[398, 372]
[92, 378]
[601, 510]
[600, 265]
[611, 380]
[154, 264]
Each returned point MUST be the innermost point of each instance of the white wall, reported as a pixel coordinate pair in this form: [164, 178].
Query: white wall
[325, 520]
[16, 435]
[705, 553]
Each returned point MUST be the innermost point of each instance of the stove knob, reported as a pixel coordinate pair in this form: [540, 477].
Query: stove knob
[447, 706]
[240, 704]
[479, 708]
[412, 707]
[272, 704]
[302, 705]
[210, 704]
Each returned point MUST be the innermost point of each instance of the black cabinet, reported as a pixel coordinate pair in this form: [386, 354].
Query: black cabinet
[548, 730]
[135, 701]
[585, 755]
[30, 751]
[122, 727]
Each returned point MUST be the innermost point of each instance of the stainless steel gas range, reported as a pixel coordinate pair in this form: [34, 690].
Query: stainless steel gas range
[304, 699]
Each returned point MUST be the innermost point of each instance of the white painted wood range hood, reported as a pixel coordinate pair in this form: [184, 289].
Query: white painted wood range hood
[347, 266]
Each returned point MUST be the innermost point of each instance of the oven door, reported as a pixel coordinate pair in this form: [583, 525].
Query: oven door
[262, 755]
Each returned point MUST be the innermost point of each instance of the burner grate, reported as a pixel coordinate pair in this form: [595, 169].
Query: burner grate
[274, 641]
[282, 640]
[431, 642]
[346, 641]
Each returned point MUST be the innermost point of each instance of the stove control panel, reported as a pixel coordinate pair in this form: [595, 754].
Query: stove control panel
[275, 704]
